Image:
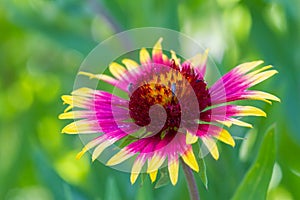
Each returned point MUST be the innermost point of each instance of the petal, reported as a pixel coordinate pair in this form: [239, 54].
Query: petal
[82, 126]
[121, 156]
[225, 137]
[84, 91]
[248, 66]
[233, 85]
[211, 146]
[144, 56]
[136, 168]
[153, 175]
[229, 121]
[199, 62]
[189, 158]
[240, 123]
[90, 145]
[78, 114]
[173, 168]
[191, 138]
[157, 51]
[102, 77]
[155, 162]
[100, 148]
[174, 57]
[130, 64]
[117, 70]
[260, 77]
[77, 101]
[248, 111]
[165, 59]
[222, 112]
[259, 95]
[260, 70]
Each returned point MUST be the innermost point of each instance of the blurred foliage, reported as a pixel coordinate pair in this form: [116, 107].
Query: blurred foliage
[42, 44]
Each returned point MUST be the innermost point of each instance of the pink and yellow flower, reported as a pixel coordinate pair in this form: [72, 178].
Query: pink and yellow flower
[177, 87]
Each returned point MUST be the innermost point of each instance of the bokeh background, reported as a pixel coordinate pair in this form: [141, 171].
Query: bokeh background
[42, 44]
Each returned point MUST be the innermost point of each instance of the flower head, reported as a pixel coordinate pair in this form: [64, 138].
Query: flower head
[168, 107]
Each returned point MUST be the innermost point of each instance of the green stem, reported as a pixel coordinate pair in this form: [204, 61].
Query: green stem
[192, 186]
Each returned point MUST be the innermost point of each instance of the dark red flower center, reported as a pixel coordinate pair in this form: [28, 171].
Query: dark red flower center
[165, 89]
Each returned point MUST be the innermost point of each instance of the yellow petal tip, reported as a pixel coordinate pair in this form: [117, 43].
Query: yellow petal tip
[189, 158]
[81, 153]
[133, 178]
[190, 138]
[153, 176]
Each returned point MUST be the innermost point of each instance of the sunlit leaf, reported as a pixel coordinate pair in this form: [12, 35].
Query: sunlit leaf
[256, 181]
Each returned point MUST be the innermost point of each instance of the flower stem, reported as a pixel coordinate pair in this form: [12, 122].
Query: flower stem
[192, 186]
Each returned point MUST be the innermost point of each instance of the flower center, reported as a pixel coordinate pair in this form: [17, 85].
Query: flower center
[148, 95]
[165, 87]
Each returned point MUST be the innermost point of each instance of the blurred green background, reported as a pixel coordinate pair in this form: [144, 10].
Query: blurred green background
[42, 44]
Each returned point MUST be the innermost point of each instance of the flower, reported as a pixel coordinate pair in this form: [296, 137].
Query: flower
[169, 106]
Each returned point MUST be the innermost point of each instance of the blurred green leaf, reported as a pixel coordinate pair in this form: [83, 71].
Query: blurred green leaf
[112, 192]
[58, 187]
[150, 13]
[48, 19]
[247, 145]
[145, 192]
[256, 181]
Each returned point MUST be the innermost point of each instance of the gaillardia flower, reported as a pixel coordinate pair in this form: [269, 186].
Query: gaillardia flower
[168, 107]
